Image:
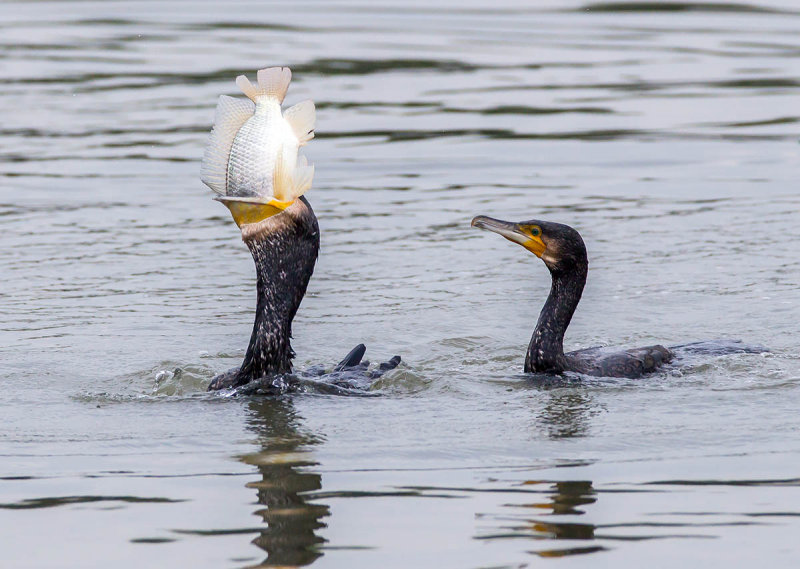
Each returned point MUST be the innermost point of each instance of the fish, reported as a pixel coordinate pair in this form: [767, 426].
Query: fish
[252, 156]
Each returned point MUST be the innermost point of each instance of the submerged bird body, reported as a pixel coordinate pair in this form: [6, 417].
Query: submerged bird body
[632, 363]
[564, 253]
[251, 161]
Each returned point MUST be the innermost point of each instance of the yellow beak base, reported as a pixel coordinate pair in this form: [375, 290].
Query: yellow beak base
[535, 245]
[250, 210]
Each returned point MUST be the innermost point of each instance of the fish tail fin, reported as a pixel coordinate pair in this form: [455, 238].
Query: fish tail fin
[272, 82]
[230, 115]
[301, 117]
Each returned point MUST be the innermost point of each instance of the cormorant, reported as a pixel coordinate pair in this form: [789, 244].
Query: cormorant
[284, 246]
[563, 252]
[251, 161]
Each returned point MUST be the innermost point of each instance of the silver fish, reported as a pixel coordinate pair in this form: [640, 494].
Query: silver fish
[252, 151]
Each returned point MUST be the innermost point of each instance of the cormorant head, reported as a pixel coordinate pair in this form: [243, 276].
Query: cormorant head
[259, 218]
[558, 245]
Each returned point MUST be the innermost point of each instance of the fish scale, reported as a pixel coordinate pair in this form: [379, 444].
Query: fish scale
[252, 160]
[252, 151]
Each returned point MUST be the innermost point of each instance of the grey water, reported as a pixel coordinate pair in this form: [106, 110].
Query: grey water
[666, 132]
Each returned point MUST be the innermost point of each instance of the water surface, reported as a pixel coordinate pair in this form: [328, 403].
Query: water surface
[667, 133]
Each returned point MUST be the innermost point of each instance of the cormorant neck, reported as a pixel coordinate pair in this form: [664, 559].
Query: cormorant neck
[285, 251]
[546, 349]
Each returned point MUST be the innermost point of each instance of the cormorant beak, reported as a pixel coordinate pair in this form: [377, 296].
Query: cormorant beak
[247, 210]
[515, 232]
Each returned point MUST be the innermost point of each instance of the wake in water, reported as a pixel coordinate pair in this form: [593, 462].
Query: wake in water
[721, 347]
[351, 376]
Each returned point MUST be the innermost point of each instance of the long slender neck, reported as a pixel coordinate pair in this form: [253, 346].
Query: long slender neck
[284, 260]
[546, 350]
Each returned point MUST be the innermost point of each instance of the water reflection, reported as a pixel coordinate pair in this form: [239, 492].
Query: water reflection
[566, 497]
[566, 413]
[285, 464]
[562, 498]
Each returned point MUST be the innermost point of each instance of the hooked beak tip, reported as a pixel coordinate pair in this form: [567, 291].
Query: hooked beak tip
[478, 221]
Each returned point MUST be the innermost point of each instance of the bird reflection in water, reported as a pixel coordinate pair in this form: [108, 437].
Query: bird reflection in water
[564, 498]
[285, 464]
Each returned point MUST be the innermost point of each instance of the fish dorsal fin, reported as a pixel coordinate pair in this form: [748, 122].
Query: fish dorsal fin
[301, 117]
[231, 114]
[272, 82]
[288, 185]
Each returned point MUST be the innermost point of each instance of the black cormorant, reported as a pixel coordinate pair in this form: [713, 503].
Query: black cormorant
[563, 252]
[284, 244]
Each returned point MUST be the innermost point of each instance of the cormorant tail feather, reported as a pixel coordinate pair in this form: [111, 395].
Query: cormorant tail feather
[353, 358]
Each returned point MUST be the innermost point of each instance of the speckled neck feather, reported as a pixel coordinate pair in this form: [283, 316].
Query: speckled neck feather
[546, 350]
[284, 248]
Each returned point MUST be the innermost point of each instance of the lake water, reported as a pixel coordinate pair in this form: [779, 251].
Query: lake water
[667, 133]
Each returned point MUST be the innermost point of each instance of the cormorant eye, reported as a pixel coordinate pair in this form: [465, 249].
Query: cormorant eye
[535, 231]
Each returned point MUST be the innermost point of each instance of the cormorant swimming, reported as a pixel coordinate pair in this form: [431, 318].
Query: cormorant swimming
[563, 252]
[285, 248]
